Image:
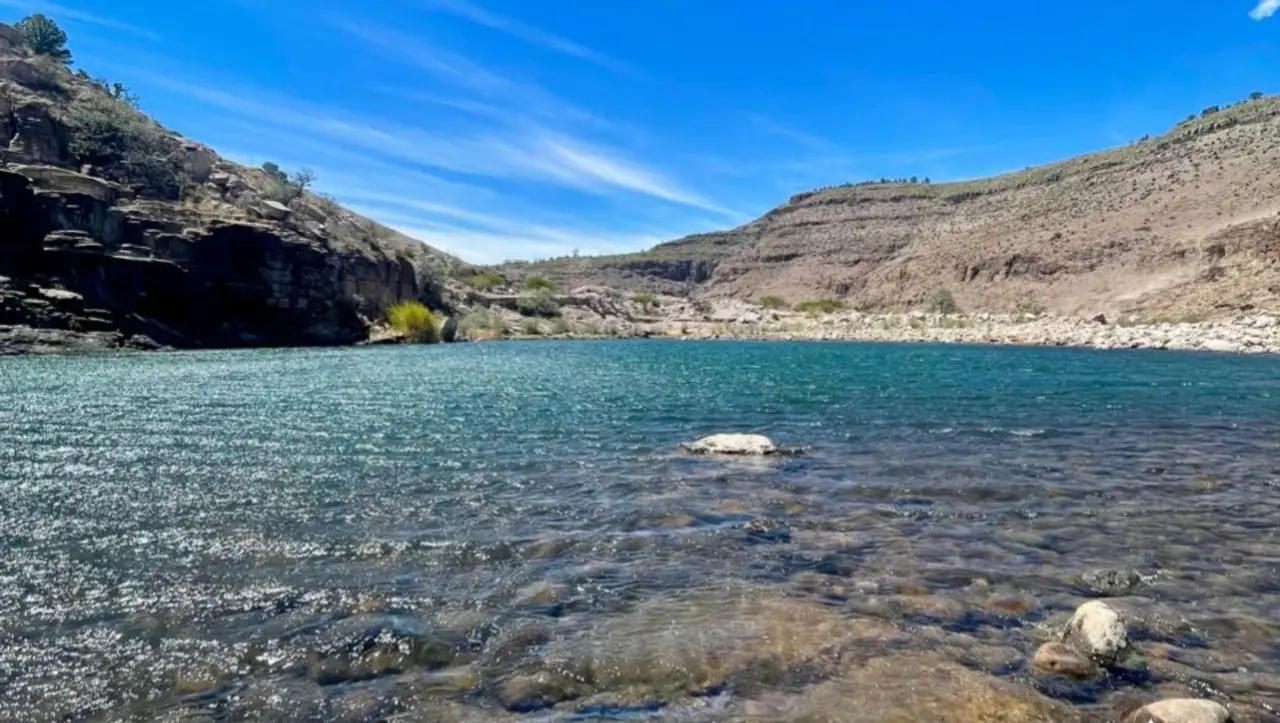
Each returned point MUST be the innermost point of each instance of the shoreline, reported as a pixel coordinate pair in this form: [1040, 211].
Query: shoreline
[1251, 334]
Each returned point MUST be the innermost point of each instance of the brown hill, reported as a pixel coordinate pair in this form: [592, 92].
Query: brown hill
[115, 231]
[1186, 223]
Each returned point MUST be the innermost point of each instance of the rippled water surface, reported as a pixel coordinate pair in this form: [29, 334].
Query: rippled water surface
[506, 532]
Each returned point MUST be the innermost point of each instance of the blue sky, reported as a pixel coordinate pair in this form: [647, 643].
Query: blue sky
[500, 129]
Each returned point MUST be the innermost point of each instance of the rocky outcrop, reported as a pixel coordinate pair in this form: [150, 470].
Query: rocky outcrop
[152, 240]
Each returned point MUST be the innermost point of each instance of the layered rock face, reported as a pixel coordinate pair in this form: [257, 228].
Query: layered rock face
[1188, 222]
[88, 259]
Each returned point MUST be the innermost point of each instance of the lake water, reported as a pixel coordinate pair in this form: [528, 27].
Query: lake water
[506, 531]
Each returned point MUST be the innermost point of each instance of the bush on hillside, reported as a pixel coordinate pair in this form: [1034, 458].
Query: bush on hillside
[530, 327]
[942, 302]
[540, 303]
[773, 302]
[482, 324]
[539, 283]
[124, 145]
[820, 306]
[44, 37]
[486, 281]
[418, 323]
[647, 301]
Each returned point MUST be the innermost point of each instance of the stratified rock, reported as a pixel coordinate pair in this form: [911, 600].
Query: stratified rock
[1180, 710]
[738, 444]
[1060, 659]
[1096, 630]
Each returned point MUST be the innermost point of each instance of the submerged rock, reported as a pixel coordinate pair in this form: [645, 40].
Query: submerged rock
[1111, 583]
[1180, 710]
[739, 444]
[1097, 631]
[1060, 659]
[916, 688]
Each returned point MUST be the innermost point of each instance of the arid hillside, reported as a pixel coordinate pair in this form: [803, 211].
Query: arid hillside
[1187, 223]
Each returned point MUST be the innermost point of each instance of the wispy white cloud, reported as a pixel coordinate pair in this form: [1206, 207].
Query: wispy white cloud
[528, 33]
[62, 12]
[1265, 9]
[808, 140]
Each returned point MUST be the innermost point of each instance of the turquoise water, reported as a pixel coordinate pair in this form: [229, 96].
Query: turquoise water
[252, 535]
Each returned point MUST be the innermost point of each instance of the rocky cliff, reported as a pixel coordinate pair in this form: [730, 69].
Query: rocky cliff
[1186, 223]
[117, 232]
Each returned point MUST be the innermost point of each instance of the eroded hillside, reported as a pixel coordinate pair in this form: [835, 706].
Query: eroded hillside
[1183, 223]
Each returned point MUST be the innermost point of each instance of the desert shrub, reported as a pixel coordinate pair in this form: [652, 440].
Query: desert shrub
[773, 302]
[418, 323]
[942, 302]
[482, 324]
[124, 145]
[560, 326]
[44, 37]
[530, 327]
[820, 306]
[284, 187]
[540, 303]
[1256, 95]
[1028, 307]
[647, 301]
[485, 281]
[539, 283]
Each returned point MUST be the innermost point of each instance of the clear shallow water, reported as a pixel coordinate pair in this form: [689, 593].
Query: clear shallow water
[415, 533]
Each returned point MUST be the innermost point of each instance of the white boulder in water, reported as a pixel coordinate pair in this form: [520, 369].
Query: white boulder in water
[1181, 710]
[744, 444]
[1097, 631]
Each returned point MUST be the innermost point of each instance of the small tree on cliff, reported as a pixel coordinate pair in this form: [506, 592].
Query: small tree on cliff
[44, 37]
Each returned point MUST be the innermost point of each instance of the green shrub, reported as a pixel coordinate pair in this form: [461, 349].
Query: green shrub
[124, 145]
[560, 326]
[820, 306]
[44, 37]
[540, 303]
[773, 302]
[942, 302]
[530, 327]
[539, 283]
[647, 301]
[482, 324]
[284, 187]
[418, 323]
[485, 281]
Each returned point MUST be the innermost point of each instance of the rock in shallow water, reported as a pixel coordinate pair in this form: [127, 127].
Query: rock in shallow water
[1180, 710]
[1097, 631]
[1059, 659]
[744, 444]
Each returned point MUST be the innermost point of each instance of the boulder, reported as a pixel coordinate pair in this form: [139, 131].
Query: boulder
[1220, 345]
[274, 210]
[1111, 583]
[1180, 710]
[449, 330]
[736, 444]
[1096, 630]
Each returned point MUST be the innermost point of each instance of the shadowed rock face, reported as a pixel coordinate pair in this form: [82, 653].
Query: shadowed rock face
[212, 254]
[213, 283]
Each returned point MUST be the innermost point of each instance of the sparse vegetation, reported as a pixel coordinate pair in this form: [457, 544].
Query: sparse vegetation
[486, 280]
[482, 324]
[530, 327]
[284, 187]
[942, 302]
[413, 319]
[539, 283]
[44, 37]
[1029, 307]
[647, 301]
[1256, 95]
[124, 145]
[540, 303]
[820, 306]
[560, 326]
[773, 302]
